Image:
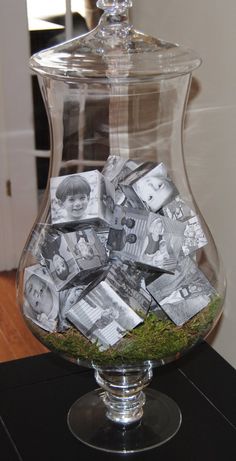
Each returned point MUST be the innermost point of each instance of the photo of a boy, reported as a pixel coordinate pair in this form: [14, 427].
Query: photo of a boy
[73, 195]
[82, 198]
[40, 303]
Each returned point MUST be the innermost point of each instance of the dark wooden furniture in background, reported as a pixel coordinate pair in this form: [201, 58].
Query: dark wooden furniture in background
[36, 394]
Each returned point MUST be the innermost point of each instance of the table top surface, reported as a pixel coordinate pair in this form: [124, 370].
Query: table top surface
[37, 392]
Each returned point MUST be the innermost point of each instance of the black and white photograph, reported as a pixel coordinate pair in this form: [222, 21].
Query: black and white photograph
[162, 243]
[41, 301]
[127, 188]
[120, 240]
[141, 170]
[107, 200]
[58, 258]
[117, 168]
[129, 284]
[178, 210]
[67, 299]
[155, 188]
[118, 216]
[102, 235]
[103, 317]
[87, 249]
[131, 197]
[194, 237]
[113, 166]
[149, 239]
[120, 198]
[183, 294]
[76, 198]
[125, 229]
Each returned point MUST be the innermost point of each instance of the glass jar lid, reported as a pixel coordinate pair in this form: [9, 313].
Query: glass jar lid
[115, 50]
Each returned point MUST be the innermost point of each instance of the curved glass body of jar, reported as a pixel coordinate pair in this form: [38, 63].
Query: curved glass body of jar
[137, 119]
[143, 122]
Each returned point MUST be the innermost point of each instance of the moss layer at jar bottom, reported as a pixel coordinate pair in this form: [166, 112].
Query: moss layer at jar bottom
[154, 340]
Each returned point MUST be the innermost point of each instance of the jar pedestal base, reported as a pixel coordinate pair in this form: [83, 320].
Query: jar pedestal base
[88, 422]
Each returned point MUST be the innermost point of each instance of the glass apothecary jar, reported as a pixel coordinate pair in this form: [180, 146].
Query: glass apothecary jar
[120, 272]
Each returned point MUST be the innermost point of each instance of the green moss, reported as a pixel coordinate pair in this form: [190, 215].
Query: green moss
[153, 340]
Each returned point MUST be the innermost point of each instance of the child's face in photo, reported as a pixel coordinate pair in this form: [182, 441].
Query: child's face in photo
[130, 223]
[154, 191]
[38, 295]
[76, 205]
[59, 264]
[131, 238]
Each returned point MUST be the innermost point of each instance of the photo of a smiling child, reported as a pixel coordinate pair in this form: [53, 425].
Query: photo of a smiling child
[76, 198]
[72, 194]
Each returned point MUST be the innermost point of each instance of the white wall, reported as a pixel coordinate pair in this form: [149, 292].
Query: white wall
[209, 27]
[17, 160]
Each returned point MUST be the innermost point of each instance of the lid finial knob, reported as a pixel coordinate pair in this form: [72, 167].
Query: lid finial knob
[114, 6]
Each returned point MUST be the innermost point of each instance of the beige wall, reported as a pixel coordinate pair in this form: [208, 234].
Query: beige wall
[209, 27]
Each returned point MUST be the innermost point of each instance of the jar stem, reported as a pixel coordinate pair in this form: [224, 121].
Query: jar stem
[124, 397]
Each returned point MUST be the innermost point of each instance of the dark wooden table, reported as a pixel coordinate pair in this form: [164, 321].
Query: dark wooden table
[37, 392]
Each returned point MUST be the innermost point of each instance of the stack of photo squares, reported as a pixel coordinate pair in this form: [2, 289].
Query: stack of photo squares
[120, 244]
